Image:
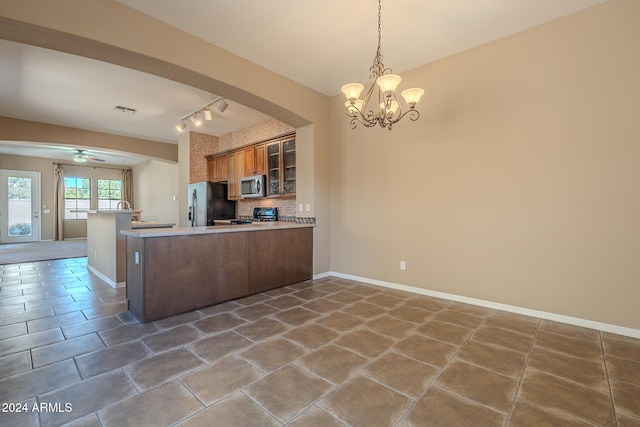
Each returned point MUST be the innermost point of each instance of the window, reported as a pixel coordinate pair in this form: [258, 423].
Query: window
[109, 193]
[77, 198]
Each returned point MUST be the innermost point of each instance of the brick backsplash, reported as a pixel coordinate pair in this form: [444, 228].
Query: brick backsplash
[202, 145]
[286, 207]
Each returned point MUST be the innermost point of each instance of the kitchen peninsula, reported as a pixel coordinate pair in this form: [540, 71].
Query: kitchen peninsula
[172, 271]
[106, 255]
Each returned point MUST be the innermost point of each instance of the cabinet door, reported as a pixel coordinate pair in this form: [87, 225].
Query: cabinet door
[260, 163]
[249, 162]
[254, 163]
[289, 166]
[217, 168]
[222, 168]
[235, 170]
[273, 169]
[211, 169]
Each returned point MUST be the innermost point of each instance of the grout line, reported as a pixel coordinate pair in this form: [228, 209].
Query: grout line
[606, 370]
[524, 372]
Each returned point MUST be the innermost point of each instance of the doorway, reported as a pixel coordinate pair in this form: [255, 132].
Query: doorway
[20, 207]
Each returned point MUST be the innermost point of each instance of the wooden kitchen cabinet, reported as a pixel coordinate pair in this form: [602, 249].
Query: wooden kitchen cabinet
[218, 168]
[254, 160]
[180, 272]
[275, 158]
[281, 167]
[235, 172]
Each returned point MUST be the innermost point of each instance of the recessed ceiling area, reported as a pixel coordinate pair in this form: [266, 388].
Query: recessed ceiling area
[52, 87]
[321, 45]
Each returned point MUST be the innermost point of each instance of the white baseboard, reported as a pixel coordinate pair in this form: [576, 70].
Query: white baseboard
[110, 282]
[606, 327]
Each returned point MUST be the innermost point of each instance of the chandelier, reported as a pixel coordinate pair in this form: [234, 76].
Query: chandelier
[386, 111]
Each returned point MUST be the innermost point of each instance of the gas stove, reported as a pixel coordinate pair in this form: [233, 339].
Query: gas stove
[259, 215]
[265, 214]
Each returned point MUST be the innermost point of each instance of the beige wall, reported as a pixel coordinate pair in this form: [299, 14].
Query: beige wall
[155, 187]
[73, 229]
[519, 183]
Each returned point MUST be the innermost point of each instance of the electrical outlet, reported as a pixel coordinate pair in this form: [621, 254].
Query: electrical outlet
[308, 208]
[300, 207]
[403, 265]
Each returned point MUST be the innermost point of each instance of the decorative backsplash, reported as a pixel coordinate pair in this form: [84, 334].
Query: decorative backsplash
[297, 220]
[286, 207]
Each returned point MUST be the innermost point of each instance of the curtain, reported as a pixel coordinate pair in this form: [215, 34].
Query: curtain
[58, 202]
[127, 190]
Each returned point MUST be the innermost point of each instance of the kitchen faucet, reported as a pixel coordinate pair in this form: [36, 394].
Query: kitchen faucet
[126, 204]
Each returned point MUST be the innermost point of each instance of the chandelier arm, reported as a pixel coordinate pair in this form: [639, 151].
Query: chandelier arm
[413, 115]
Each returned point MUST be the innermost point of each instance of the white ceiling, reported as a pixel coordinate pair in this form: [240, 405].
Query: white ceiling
[320, 44]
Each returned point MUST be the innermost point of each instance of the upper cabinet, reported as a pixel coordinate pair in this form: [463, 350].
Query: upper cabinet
[218, 168]
[254, 160]
[275, 159]
[281, 167]
[236, 168]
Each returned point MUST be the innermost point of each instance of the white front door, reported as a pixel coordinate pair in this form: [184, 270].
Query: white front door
[20, 207]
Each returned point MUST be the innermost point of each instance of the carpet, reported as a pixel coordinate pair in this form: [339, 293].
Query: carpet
[16, 253]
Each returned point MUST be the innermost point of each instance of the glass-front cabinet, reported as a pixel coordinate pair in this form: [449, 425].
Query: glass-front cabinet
[289, 166]
[281, 167]
[273, 168]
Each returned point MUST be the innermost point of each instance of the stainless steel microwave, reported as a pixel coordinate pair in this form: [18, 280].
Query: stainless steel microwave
[252, 186]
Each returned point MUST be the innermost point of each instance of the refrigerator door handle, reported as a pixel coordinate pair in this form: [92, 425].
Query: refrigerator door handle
[194, 208]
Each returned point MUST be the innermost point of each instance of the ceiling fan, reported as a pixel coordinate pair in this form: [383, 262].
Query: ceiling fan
[80, 156]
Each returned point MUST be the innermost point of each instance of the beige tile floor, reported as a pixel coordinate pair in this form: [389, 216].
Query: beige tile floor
[331, 352]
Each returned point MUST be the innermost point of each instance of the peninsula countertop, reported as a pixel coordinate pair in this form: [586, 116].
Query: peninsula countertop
[187, 231]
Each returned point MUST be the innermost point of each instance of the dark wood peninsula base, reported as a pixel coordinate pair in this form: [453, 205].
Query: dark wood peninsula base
[186, 269]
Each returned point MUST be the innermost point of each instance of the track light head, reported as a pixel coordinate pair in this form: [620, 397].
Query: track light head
[207, 114]
[222, 105]
[181, 126]
[195, 120]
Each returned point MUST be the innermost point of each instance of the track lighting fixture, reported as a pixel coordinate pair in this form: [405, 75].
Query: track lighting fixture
[223, 106]
[195, 120]
[206, 113]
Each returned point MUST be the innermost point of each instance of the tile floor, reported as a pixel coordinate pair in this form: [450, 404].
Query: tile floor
[331, 352]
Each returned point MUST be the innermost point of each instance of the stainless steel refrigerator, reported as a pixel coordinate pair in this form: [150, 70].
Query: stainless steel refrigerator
[208, 202]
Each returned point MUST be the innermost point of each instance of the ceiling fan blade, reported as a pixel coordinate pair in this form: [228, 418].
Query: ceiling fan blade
[95, 159]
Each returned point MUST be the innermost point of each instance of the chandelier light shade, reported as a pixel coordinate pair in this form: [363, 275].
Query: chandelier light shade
[386, 110]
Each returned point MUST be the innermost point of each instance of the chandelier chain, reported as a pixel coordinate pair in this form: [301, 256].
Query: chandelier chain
[378, 67]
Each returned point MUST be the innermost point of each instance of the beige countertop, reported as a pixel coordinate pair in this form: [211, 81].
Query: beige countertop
[113, 211]
[186, 231]
[150, 224]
